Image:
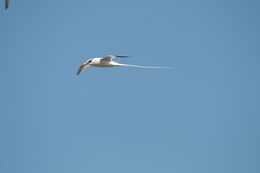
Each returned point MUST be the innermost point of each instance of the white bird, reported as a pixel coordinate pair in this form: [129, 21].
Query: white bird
[108, 62]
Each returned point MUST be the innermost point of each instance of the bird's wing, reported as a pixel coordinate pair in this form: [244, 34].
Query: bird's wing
[110, 57]
[81, 68]
[6, 4]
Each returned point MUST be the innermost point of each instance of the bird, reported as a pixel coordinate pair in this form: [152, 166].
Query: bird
[6, 4]
[108, 62]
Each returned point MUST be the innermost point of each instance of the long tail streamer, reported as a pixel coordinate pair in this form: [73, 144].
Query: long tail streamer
[140, 66]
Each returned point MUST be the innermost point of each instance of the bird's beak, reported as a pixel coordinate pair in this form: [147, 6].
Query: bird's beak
[82, 67]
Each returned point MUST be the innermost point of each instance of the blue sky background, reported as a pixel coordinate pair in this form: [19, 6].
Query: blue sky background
[202, 116]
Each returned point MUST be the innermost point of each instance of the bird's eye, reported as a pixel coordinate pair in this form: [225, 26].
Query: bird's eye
[89, 61]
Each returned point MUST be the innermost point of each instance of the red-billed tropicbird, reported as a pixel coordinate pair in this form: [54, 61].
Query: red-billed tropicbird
[108, 62]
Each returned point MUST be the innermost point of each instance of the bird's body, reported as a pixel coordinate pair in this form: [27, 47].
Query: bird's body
[99, 62]
[108, 62]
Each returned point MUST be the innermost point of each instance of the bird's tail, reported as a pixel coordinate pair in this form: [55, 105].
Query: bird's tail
[140, 66]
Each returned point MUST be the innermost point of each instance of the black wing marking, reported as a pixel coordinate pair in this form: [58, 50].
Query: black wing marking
[120, 56]
[6, 4]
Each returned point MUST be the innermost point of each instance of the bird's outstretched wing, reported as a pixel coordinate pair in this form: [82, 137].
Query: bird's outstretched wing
[110, 57]
[6, 4]
[82, 67]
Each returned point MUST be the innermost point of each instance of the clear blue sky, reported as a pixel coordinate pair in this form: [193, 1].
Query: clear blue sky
[203, 116]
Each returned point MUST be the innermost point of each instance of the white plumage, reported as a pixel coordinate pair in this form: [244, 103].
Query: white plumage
[108, 62]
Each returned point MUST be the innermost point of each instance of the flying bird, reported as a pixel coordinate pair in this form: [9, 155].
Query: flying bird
[6, 4]
[108, 62]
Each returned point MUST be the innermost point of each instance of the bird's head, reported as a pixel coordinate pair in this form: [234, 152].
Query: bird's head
[87, 62]
[84, 65]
